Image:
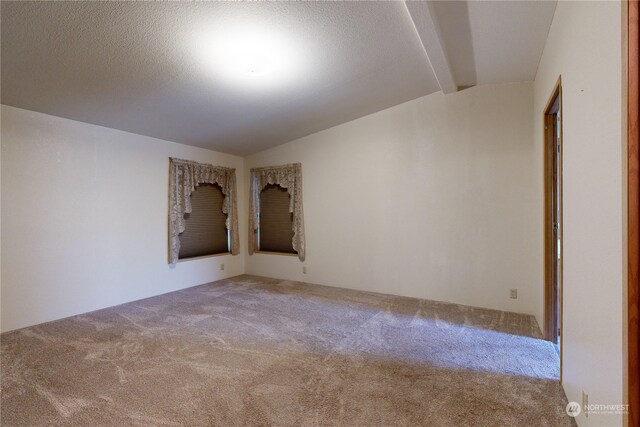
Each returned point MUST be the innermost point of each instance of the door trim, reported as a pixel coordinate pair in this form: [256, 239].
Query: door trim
[633, 212]
[550, 326]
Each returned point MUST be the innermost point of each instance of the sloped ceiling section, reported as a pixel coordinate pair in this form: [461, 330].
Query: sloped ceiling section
[170, 70]
[490, 42]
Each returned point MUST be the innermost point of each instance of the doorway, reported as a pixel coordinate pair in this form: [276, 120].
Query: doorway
[553, 218]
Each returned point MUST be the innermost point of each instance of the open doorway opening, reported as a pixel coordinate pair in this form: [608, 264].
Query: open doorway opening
[553, 218]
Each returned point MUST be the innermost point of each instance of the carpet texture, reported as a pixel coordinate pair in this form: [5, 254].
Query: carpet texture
[251, 351]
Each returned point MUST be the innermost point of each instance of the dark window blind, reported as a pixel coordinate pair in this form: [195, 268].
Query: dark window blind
[205, 232]
[276, 222]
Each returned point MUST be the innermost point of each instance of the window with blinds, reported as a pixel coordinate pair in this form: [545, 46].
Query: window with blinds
[275, 228]
[205, 231]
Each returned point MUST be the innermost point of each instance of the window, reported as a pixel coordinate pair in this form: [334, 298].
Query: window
[279, 226]
[205, 227]
[186, 178]
[275, 229]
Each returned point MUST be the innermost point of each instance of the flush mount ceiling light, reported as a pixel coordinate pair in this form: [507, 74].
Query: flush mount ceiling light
[252, 63]
[250, 57]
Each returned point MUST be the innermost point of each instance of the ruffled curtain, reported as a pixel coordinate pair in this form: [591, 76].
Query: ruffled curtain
[184, 177]
[288, 177]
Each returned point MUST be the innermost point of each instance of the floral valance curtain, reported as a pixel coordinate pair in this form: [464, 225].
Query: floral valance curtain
[288, 177]
[184, 177]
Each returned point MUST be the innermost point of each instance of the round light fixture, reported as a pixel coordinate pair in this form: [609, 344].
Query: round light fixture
[249, 57]
[252, 63]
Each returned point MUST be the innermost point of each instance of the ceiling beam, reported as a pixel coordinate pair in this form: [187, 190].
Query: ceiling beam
[426, 25]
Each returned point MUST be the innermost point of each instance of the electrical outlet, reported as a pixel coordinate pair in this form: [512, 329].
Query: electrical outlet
[222, 266]
[304, 269]
[585, 403]
[513, 293]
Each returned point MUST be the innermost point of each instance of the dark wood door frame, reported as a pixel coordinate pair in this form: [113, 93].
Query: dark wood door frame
[552, 224]
[633, 218]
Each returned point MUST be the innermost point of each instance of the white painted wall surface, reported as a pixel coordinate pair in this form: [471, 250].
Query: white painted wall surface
[584, 46]
[435, 198]
[84, 218]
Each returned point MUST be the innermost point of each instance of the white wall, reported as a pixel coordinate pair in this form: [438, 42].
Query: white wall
[434, 198]
[584, 46]
[84, 218]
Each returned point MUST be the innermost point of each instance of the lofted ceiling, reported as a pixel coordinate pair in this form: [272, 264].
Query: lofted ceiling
[154, 68]
[491, 42]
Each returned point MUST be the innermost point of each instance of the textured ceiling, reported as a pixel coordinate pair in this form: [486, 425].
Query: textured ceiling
[139, 66]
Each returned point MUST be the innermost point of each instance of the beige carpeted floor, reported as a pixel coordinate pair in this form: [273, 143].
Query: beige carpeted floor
[256, 351]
